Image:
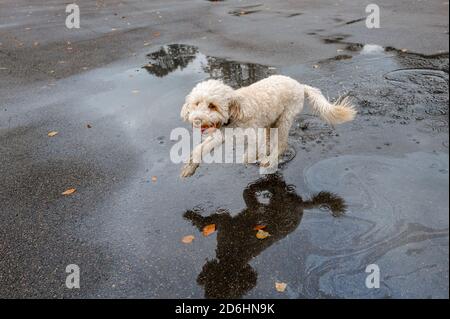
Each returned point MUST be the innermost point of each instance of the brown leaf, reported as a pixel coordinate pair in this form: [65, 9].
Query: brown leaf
[261, 234]
[52, 133]
[154, 179]
[70, 191]
[88, 125]
[280, 286]
[188, 239]
[259, 227]
[156, 34]
[209, 229]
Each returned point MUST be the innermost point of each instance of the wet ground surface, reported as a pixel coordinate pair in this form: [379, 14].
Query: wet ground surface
[388, 170]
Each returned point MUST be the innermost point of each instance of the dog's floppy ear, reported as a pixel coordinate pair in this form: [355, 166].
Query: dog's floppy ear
[185, 112]
[235, 109]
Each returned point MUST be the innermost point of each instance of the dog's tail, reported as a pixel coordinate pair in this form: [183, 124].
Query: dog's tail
[333, 113]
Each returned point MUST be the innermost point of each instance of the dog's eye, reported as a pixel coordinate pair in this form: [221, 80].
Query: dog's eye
[212, 106]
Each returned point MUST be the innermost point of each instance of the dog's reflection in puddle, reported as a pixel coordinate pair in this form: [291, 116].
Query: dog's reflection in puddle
[270, 202]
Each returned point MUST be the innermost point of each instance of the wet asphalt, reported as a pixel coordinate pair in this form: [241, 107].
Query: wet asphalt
[113, 91]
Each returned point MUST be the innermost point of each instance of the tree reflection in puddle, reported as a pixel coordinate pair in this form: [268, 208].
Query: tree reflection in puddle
[170, 58]
[270, 202]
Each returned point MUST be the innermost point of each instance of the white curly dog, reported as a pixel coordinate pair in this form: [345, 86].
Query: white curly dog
[270, 103]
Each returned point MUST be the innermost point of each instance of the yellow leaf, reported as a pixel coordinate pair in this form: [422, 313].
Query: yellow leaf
[70, 191]
[259, 227]
[188, 239]
[154, 179]
[280, 286]
[209, 229]
[52, 133]
[261, 234]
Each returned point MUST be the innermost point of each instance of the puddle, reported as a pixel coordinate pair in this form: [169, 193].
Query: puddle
[135, 199]
[270, 203]
[180, 56]
[170, 58]
[393, 219]
[403, 87]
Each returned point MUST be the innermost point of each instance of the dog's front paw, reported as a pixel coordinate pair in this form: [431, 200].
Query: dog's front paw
[188, 169]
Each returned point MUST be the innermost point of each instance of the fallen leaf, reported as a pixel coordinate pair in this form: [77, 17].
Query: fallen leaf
[261, 234]
[52, 133]
[188, 239]
[209, 229]
[315, 66]
[259, 227]
[280, 286]
[154, 179]
[88, 125]
[156, 34]
[135, 91]
[70, 191]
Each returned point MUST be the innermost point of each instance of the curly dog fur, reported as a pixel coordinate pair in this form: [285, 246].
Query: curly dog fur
[270, 103]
